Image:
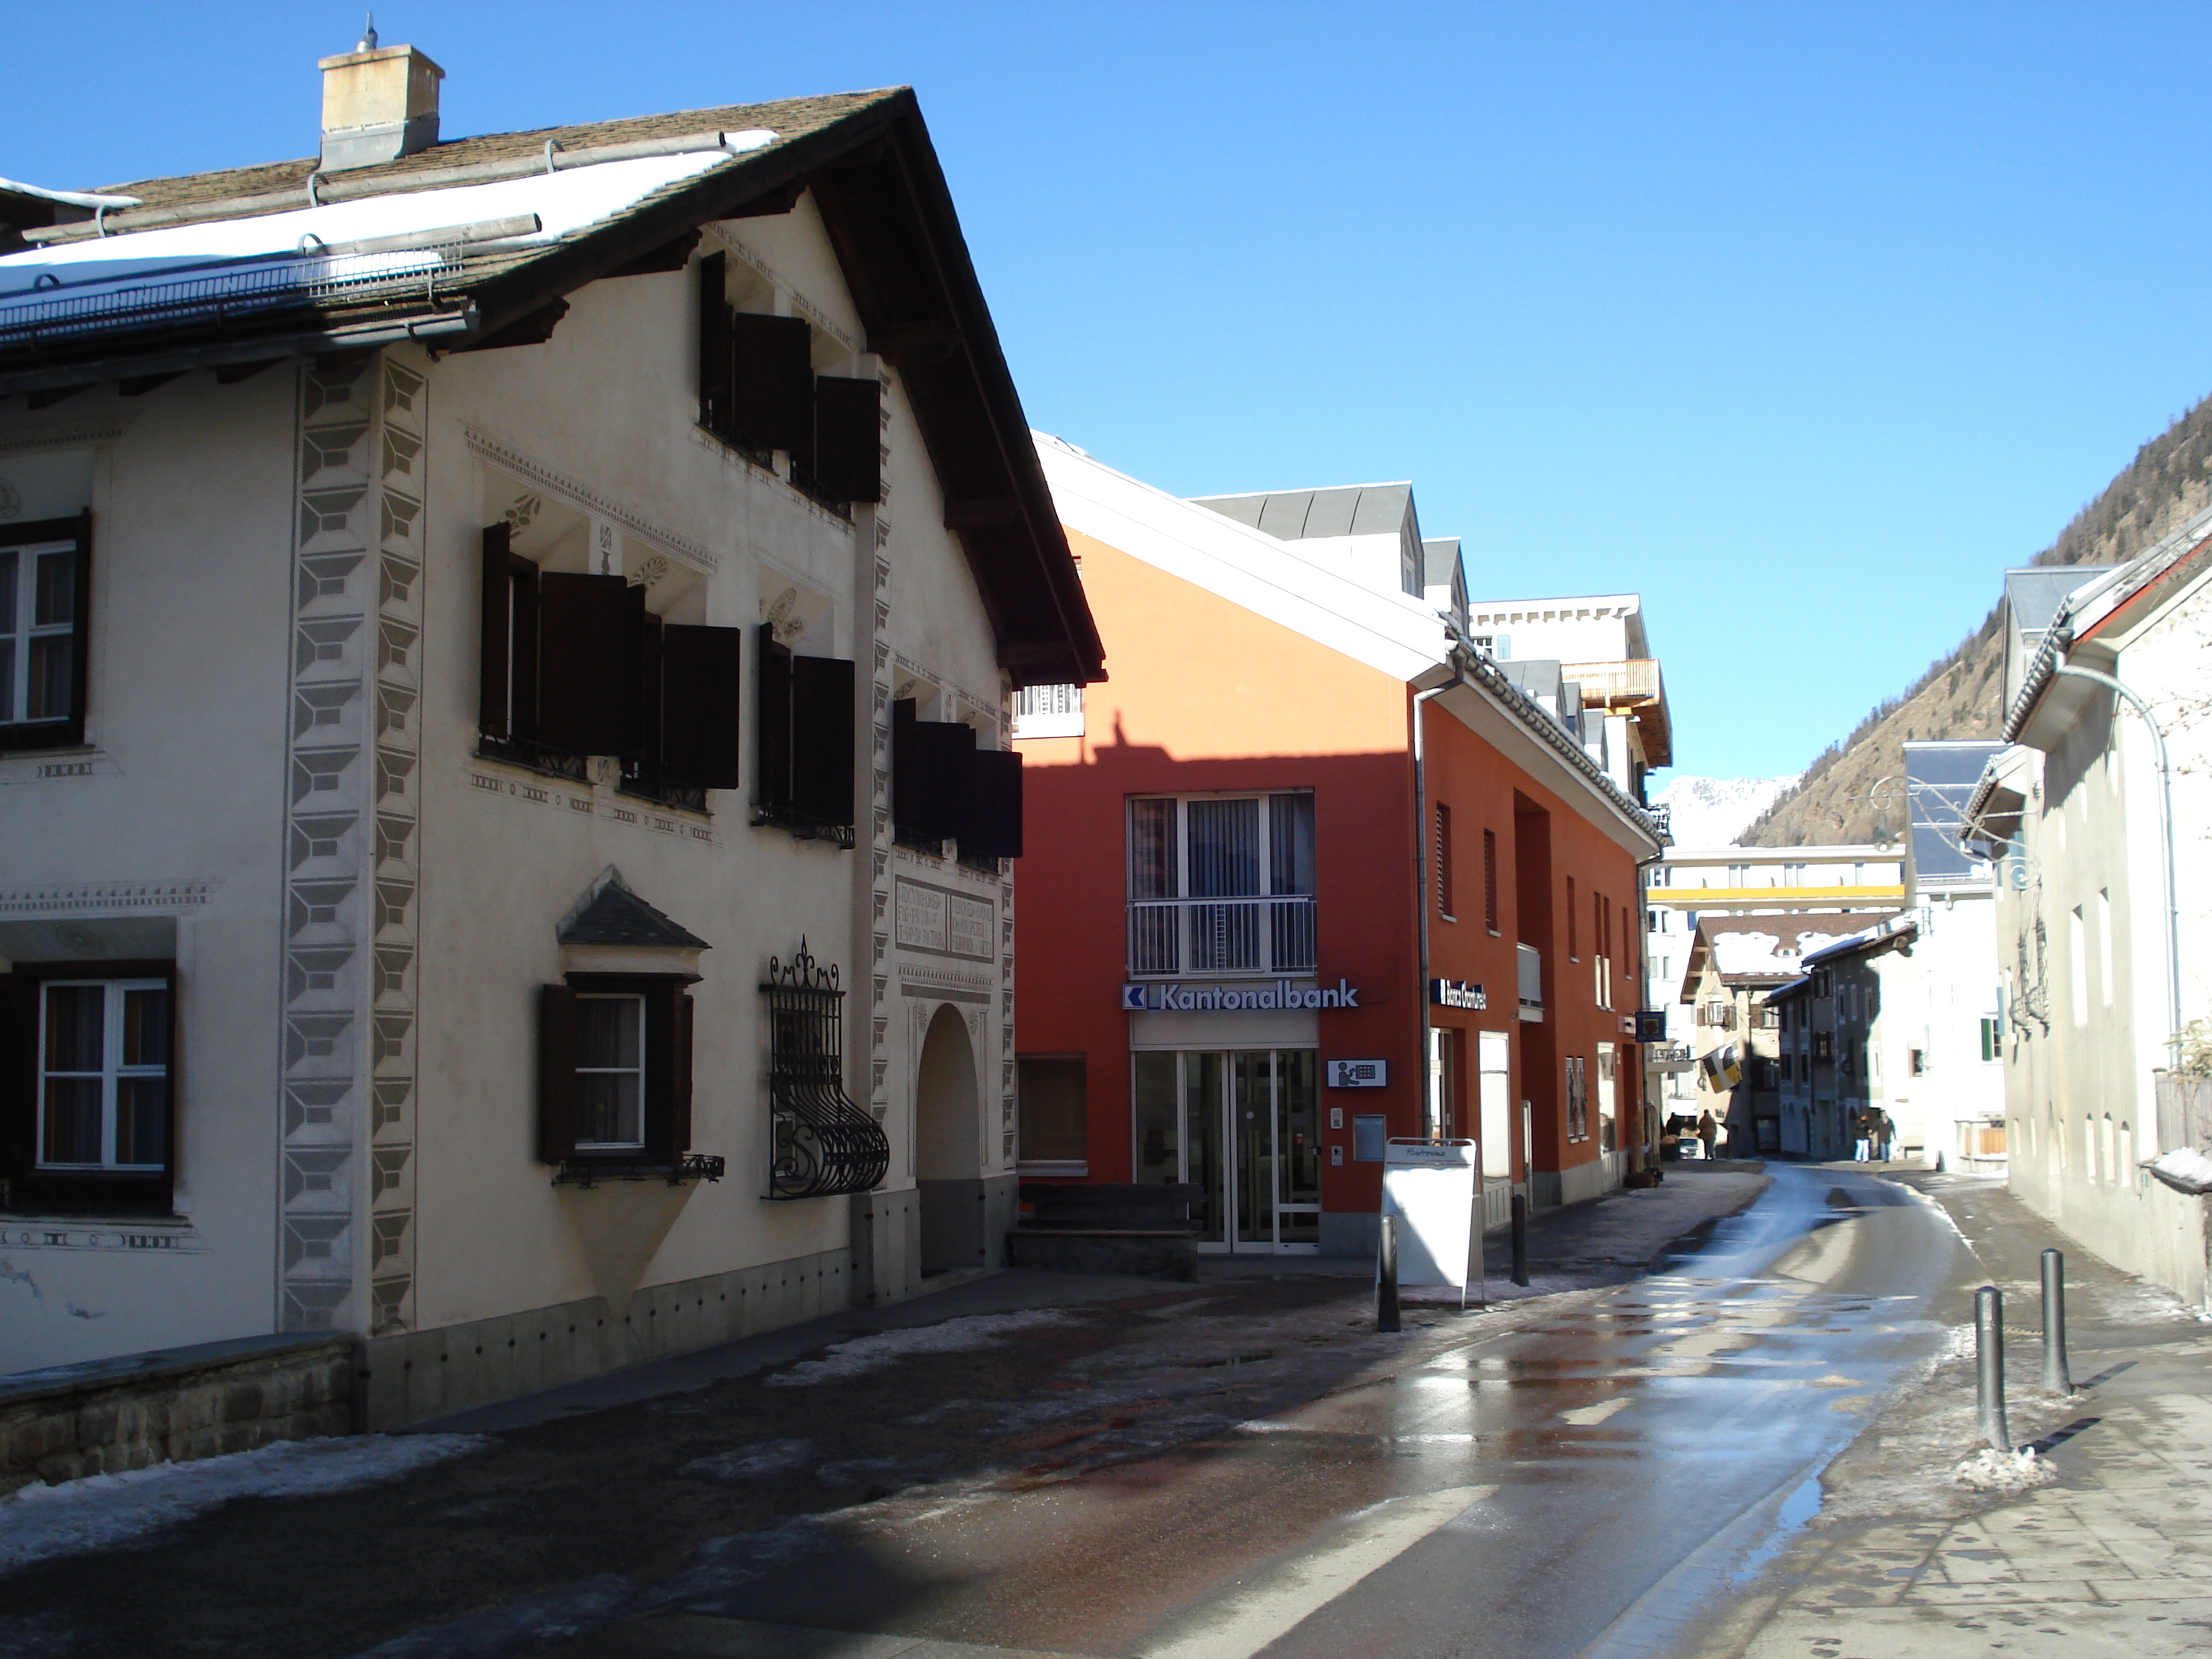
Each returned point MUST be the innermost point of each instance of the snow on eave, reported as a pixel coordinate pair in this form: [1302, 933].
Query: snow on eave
[75, 198]
[1395, 633]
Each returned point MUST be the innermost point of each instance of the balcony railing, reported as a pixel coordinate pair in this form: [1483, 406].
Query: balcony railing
[1222, 936]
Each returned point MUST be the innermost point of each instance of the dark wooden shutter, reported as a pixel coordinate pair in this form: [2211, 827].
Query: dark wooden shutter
[586, 647]
[947, 761]
[905, 775]
[700, 699]
[494, 711]
[19, 1075]
[994, 809]
[772, 789]
[679, 1074]
[644, 711]
[557, 1074]
[715, 359]
[772, 386]
[822, 738]
[848, 439]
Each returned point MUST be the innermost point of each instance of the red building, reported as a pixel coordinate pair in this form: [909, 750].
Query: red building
[1311, 871]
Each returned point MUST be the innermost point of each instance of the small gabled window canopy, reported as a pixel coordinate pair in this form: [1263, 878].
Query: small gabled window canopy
[612, 929]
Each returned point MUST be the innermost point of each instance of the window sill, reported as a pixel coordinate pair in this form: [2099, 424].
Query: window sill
[672, 796]
[534, 758]
[590, 1172]
[803, 827]
[61, 1215]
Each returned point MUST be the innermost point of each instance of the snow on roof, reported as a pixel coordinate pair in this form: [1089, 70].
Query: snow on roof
[1399, 635]
[563, 202]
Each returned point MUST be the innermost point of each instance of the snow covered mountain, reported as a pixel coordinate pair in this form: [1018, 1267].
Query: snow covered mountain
[1714, 811]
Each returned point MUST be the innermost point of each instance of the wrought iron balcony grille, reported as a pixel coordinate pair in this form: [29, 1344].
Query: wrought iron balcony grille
[1222, 936]
[820, 1143]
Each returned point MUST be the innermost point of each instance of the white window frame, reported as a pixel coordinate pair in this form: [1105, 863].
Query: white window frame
[1180, 895]
[14, 696]
[637, 1002]
[112, 1071]
[1048, 711]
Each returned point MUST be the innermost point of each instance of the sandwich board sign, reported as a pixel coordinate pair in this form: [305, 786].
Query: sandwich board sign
[1428, 1185]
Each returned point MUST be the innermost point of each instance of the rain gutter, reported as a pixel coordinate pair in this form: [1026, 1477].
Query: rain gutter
[317, 190]
[362, 337]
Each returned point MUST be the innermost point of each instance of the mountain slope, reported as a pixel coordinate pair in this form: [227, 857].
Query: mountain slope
[1842, 796]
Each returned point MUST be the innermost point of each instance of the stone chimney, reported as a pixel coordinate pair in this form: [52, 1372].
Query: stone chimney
[379, 103]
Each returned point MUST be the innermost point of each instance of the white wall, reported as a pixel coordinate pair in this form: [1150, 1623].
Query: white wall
[196, 505]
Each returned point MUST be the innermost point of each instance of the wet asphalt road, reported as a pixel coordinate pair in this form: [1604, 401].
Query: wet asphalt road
[1111, 1468]
[1596, 1484]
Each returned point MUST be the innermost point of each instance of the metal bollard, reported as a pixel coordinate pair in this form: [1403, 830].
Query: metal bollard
[2055, 1378]
[1386, 1277]
[1988, 1365]
[1520, 1239]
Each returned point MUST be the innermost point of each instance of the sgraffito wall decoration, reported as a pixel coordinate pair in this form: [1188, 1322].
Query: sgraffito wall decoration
[352, 842]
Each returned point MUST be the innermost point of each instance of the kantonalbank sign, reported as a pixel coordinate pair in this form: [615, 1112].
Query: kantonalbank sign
[1235, 999]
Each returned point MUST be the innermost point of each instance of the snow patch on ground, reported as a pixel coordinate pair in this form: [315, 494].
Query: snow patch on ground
[873, 1353]
[1992, 1470]
[756, 1461]
[103, 1510]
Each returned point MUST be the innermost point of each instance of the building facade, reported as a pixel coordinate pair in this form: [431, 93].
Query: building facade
[1320, 875]
[1808, 886]
[1829, 1024]
[1941, 1040]
[2097, 816]
[1734, 962]
[508, 839]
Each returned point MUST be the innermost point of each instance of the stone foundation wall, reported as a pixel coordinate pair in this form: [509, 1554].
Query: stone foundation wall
[110, 1415]
[450, 1368]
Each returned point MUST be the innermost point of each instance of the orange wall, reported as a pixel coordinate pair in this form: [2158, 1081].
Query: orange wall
[1207, 696]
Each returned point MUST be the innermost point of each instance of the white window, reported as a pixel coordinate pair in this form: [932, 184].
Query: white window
[2105, 945]
[1048, 711]
[2077, 964]
[104, 1075]
[610, 1071]
[1221, 885]
[41, 635]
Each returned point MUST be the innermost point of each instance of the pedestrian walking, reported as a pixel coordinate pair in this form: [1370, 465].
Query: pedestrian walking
[1862, 1140]
[1879, 1131]
[1708, 1132]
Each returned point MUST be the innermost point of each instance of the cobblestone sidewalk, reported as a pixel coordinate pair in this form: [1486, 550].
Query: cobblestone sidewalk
[2112, 1556]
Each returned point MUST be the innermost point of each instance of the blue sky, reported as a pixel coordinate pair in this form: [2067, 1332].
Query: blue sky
[1802, 320]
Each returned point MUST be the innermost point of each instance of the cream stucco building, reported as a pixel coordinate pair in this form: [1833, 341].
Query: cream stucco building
[2100, 816]
[505, 779]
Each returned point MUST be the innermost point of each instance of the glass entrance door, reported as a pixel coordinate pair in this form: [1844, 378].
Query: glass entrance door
[1244, 1127]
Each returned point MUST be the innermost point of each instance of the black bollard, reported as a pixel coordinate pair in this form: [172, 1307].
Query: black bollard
[1520, 1239]
[1386, 1276]
[1989, 1366]
[2055, 1378]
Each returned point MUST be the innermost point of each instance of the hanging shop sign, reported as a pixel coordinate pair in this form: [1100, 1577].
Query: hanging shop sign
[1235, 999]
[1456, 993]
[1651, 1025]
